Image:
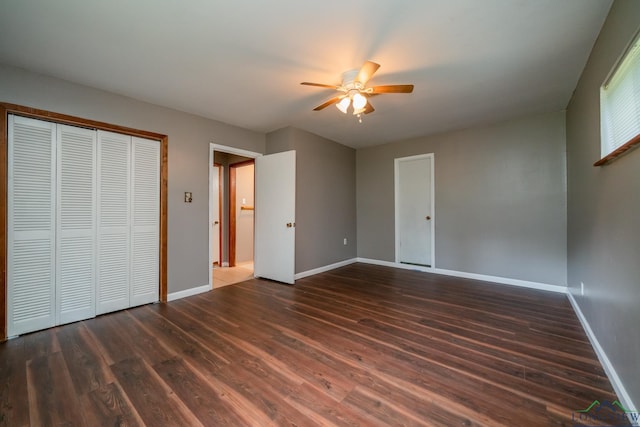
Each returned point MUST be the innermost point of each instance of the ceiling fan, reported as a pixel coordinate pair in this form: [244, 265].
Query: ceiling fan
[355, 91]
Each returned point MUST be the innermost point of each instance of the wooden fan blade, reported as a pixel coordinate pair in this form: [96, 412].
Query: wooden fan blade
[366, 72]
[319, 85]
[392, 89]
[329, 102]
[369, 108]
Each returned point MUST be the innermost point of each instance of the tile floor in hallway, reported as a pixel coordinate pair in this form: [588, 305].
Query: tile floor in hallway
[223, 276]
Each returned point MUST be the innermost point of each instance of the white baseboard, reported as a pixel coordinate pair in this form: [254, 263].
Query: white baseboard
[324, 268]
[619, 388]
[483, 277]
[504, 281]
[394, 264]
[188, 292]
[225, 264]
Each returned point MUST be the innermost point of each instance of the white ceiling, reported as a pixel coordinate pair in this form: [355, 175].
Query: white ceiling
[241, 61]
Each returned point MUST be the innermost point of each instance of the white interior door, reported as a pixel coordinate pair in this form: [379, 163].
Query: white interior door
[414, 210]
[275, 206]
[215, 214]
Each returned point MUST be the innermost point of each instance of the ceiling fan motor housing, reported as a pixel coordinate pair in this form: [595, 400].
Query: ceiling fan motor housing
[349, 81]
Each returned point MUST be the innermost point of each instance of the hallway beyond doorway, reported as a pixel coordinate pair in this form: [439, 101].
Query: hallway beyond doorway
[223, 276]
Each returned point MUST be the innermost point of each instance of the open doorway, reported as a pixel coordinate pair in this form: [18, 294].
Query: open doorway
[231, 215]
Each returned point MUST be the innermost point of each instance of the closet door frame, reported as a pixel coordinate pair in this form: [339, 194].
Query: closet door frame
[19, 110]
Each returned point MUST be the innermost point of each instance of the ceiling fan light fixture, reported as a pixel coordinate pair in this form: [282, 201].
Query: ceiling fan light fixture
[358, 111]
[354, 91]
[359, 102]
[343, 105]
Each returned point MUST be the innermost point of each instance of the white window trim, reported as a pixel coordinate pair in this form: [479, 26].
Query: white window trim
[619, 136]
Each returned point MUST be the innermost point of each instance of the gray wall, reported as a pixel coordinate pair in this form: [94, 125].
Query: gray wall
[604, 211]
[500, 199]
[189, 138]
[325, 197]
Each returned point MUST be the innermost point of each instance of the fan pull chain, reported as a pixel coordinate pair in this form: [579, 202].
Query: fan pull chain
[359, 118]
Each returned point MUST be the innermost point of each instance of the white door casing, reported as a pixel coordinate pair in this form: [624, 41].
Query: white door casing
[215, 214]
[275, 190]
[414, 210]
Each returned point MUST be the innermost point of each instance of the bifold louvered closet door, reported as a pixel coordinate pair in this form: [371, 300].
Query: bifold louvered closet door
[75, 223]
[83, 223]
[114, 224]
[31, 225]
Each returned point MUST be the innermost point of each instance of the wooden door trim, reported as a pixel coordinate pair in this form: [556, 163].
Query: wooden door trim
[243, 163]
[20, 110]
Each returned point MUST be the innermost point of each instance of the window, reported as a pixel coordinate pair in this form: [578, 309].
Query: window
[620, 105]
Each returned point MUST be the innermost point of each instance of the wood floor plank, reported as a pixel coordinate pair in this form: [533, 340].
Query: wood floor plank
[14, 406]
[325, 378]
[117, 347]
[264, 398]
[197, 394]
[107, 405]
[90, 371]
[360, 345]
[322, 410]
[41, 343]
[145, 344]
[209, 338]
[380, 409]
[52, 397]
[178, 340]
[155, 404]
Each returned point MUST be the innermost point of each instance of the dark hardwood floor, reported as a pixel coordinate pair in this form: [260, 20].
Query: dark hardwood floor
[360, 345]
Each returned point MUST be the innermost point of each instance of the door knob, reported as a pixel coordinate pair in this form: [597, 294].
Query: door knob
[428, 218]
[215, 223]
